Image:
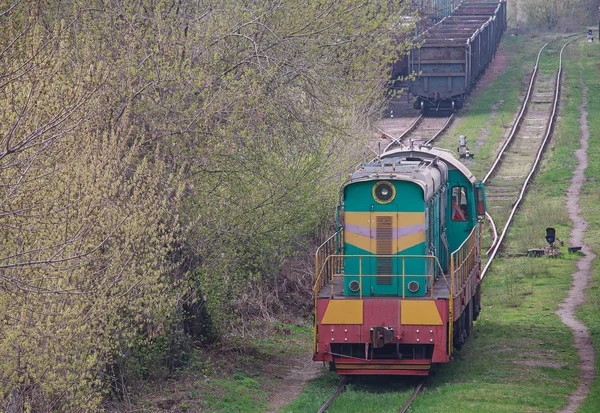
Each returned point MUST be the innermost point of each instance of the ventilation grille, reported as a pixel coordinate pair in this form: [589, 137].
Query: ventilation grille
[384, 247]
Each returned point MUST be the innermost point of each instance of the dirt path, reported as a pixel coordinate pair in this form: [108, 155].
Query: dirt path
[584, 265]
[292, 384]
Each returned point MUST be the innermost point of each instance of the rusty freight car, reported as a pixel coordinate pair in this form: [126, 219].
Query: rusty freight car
[454, 53]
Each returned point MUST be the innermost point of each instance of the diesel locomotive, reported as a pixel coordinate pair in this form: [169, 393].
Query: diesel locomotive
[397, 287]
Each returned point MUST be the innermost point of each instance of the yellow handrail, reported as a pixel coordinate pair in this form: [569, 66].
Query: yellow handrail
[462, 262]
[465, 259]
[330, 244]
[336, 261]
[329, 266]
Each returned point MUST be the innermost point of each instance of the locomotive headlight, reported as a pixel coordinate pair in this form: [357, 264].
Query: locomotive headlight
[354, 286]
[384, 192]
[413, 286]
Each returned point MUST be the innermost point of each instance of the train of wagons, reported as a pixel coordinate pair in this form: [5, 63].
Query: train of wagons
[454, 53]
[398, 284]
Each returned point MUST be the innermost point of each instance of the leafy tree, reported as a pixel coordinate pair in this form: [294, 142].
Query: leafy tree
[89, 223]
[163, 155]
[562, 14]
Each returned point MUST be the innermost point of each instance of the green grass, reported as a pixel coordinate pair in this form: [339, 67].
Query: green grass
[237, 377]
[243, 395]
[583, 61]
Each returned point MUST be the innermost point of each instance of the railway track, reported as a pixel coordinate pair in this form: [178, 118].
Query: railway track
[518, 159]
[342, 386]
[340, 389]
[413, 397]
[422, 131]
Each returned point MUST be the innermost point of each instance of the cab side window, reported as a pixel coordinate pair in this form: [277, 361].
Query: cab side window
[459, 204]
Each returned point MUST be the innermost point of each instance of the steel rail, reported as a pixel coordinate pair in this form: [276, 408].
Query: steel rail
[513, 132]
[517, 123]
[339, 391]
[411, 129]
[511, 135]
[549, 129]
[398, 140]
[494, 231]
[412, 398]
[441, 130]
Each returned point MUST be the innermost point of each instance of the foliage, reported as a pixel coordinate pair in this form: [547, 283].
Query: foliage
[561, 14]
[163, 161]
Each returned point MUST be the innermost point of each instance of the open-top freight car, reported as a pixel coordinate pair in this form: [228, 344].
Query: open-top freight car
[398, 285]
[454, 53]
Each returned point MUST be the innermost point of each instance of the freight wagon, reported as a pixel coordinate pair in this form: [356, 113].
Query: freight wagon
[454, 54]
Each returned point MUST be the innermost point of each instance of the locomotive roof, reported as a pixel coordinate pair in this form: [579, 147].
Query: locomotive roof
[428, 153]
[425, 166]
[429, 173]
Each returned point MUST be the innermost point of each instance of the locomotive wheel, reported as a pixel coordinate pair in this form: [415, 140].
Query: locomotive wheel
[459, 339]
[476, 303]
[458, 344]
[423, 108]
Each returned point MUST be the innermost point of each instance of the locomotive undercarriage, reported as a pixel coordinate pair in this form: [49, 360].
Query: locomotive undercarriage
[389, 351]
[463, 327]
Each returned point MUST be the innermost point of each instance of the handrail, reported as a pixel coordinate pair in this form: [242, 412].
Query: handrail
[464, 256]
[462, 262]
[339, 258]
[332, 243]
[327, 240]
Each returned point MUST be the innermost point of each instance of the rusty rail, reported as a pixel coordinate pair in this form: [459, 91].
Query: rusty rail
[437, 135]
[514, 131]
[339, 391]
[517, 123]
[411, 129]
[398, 140]
[413, 397]
[549, 127]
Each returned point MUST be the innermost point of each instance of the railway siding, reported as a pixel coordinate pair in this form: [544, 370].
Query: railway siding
[505, 185]
[521, 356]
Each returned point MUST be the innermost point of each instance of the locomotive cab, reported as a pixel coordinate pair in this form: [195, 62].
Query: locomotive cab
[392, 223]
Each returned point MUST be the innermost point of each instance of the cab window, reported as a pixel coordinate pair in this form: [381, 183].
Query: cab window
[459, 204]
